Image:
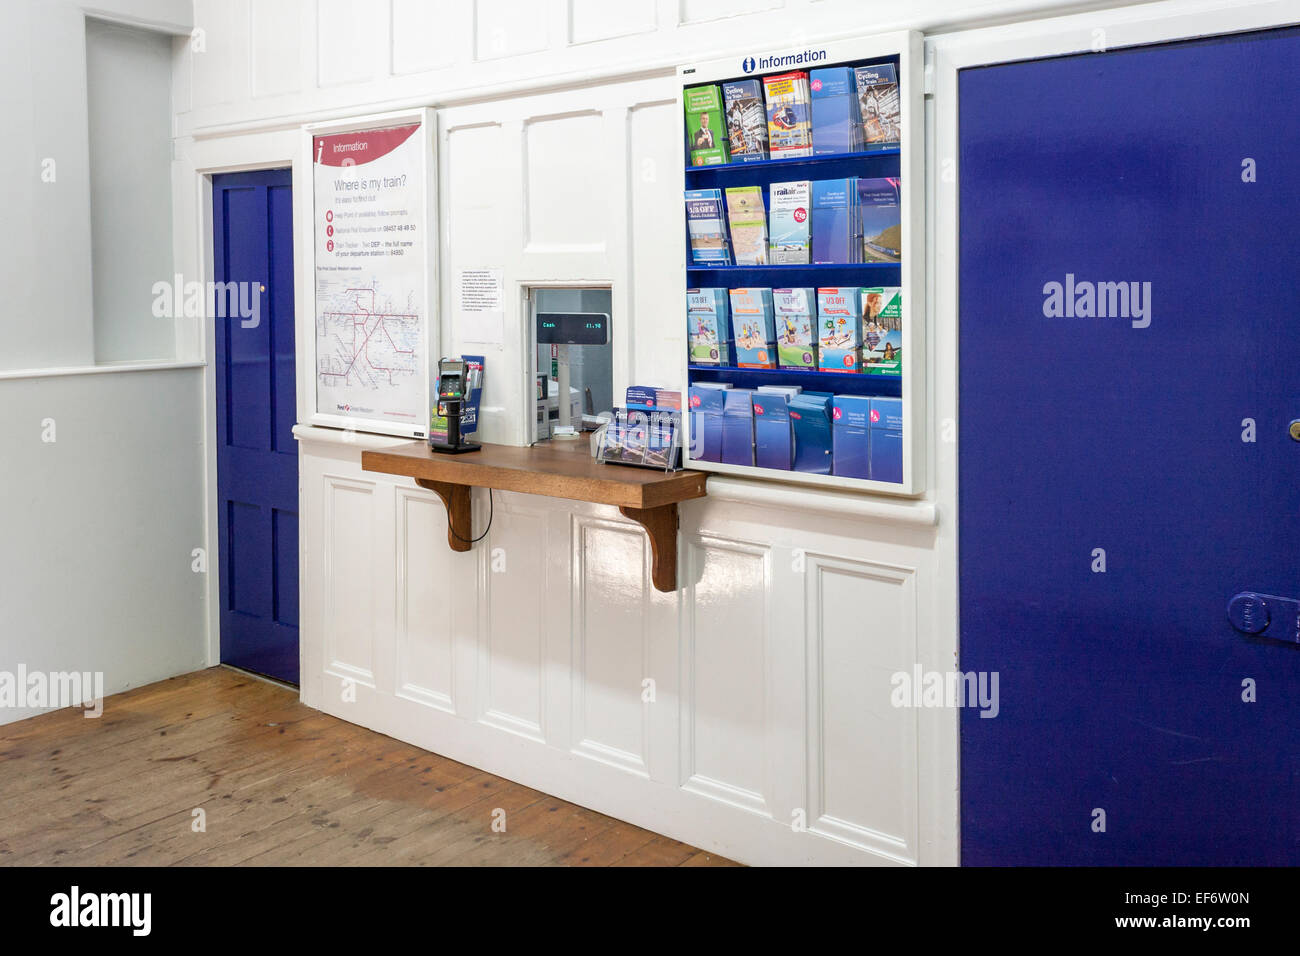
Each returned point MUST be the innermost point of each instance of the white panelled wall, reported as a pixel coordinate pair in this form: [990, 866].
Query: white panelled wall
[530, 656]
[749, 712]
[568, 188]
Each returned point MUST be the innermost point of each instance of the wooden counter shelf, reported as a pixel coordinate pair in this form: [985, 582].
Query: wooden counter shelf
[557, 469]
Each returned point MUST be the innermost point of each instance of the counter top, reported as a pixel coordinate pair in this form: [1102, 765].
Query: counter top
[557, 469]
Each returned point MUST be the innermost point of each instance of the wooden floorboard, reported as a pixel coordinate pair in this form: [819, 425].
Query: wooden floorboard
[279, 784]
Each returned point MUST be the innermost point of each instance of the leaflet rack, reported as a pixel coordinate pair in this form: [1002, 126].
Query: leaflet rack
[906, 161]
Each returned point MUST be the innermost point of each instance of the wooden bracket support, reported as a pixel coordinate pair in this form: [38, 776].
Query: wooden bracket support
[460, 521]
[555, 469]
[661, 526]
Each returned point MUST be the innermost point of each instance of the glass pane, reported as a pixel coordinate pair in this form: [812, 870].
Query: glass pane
[591, 373]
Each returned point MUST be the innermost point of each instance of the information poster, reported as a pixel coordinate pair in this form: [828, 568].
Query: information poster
[370, 235]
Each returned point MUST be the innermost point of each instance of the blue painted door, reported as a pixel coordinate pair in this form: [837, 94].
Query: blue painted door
[257, 458]
[1122, 477]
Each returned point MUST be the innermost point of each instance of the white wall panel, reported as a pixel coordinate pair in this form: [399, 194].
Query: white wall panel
[424, 636]
[610, 650]
[483, 218]
[655, 242]
[352, 41]
[506, 28]
[275, 46]
[476, 163]
[726, 735]
[567, 183]
[221, 63]
[512, 642]
[429, 34]
[349, 573]
[591, 20]
[696, 11]
[862, 750]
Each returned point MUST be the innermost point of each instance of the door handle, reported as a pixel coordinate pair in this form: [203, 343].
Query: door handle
[1265, 615]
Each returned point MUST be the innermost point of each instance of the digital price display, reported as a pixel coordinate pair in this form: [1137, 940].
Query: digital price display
[572, 328]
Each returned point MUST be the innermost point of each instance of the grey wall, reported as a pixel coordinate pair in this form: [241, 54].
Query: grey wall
[96, 527]
[45, 242]
[128, 75]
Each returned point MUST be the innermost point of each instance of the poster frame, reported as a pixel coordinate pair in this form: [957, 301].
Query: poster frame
[427, 117]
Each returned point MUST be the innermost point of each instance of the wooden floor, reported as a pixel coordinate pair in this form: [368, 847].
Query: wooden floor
[279, 784]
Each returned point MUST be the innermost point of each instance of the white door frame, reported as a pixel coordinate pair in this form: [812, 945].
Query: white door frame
[197, 161]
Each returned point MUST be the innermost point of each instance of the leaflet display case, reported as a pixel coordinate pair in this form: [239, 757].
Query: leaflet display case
[902, 270]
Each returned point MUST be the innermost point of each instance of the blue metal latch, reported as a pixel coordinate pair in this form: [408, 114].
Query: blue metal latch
[1265, 615]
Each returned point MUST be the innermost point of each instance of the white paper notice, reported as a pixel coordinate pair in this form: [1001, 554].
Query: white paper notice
[480, 290]
[481, 306]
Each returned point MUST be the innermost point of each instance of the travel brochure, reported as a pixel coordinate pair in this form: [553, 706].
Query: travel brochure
[791, 231]
[704, 126]
[878, 100]
[796, 318]
[746, 117]
[789, 119]
[748, 223]
[706, 225]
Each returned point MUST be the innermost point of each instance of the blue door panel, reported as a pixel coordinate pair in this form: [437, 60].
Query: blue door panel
[257, 464]
[242, 213]
[284, 527]
[248, 590]
[1122, 691]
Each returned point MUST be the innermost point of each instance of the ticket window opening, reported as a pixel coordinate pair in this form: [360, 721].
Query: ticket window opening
[574, 376]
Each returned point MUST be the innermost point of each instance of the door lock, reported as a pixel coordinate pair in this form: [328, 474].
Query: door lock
[1265, 615]
[1294, 429]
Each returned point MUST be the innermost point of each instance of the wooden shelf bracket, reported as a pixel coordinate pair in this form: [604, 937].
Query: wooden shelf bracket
[559, 470]
[661, 526]
[460, 520]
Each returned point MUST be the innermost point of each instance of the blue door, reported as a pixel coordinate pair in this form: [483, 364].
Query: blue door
[257, 458]
[1129, 333]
